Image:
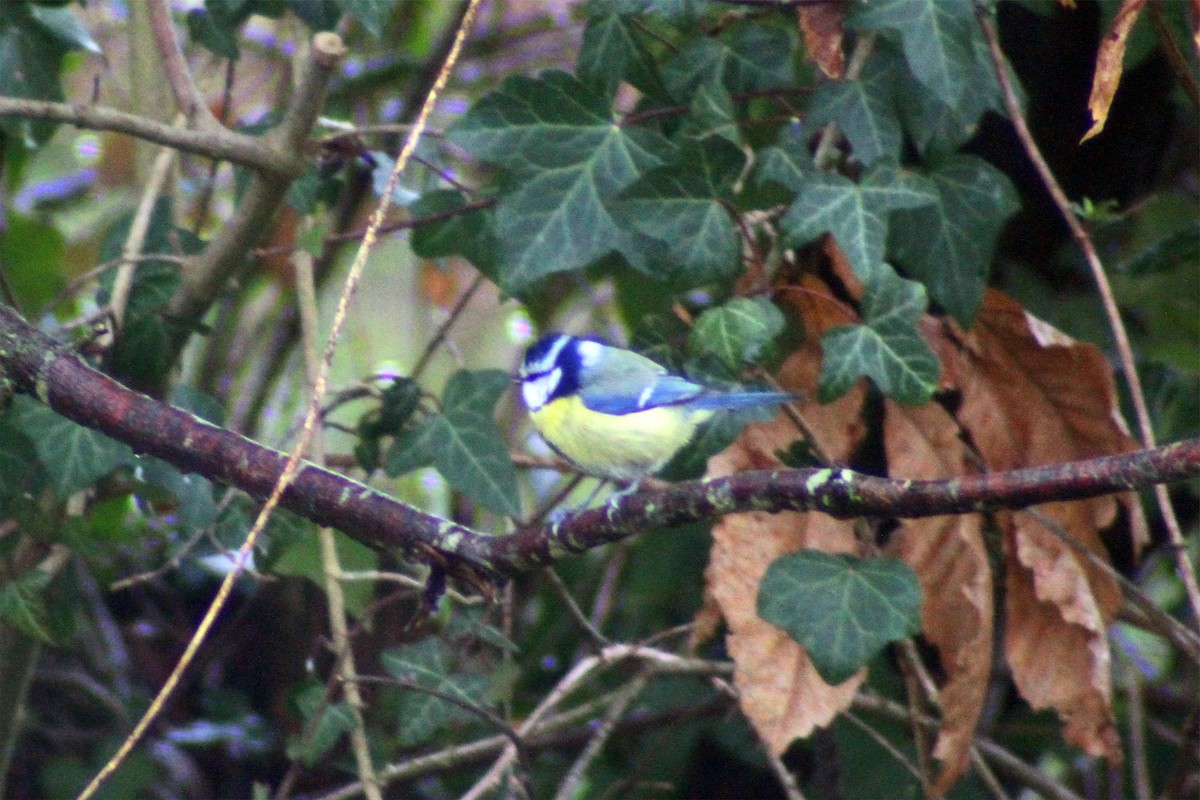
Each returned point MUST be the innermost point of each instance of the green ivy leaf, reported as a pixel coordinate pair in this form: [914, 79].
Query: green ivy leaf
[23, 607]
[472, 455]
[569, 158]
[886, 348]
[212, 30]
[73, 456]
[938, 127]
[737, 332]
[427, 664]
[413, 448]
[18, 458]
[949, 244]
[32, 253]
[613, 49]
[712, 114]
[866, 109]
[320, 736]
[197, 509]
[755, 57]
[681, 206]
[938, 37]
[30, 68]
[855, 213]
[842, 609]
[64, 26]
[667, 9]
[475, 391]
[471, 234]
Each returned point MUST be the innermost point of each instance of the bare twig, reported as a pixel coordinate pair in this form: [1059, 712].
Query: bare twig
[571, 784]
[328, 49]
[331, 568]
[187, 96]
[1175, 57]
[206, 277]
[236, 148]
[564, 593]
[132, 248]
[1183, 564]
[445, 327]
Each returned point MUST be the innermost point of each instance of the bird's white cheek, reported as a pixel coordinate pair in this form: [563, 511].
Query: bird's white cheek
[537, 391]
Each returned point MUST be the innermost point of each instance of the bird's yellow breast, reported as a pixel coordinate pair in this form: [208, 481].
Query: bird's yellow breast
[623, 447]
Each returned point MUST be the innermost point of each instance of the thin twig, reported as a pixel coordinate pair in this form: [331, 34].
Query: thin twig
[564, 593]
[138, 229]
[1183, 564]
[444, 329]
[572, 783]
[219, 143]
[1175, 57]
[331, 568]
[1136, 711]
[187, 96]
[322, 64]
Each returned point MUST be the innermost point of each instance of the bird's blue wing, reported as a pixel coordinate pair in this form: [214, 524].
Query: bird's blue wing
[625, 398]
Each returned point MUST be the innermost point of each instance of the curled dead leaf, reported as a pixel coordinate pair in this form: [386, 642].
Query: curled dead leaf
[1032, 396]
[1109, 64]
[951, 562]
[821, 27]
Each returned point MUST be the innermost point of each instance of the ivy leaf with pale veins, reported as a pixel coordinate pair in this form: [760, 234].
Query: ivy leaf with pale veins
[938, 37]
[756, 57]
[73, 456]
[886, 347]
[855, 213]
[937, 127]
[865, 110]
[472, 455]
[427, 664]
[737, 332]
[613, 49]
[844, 610]
[681, 206]
[476, 391]
[568, 158]
[949, 244]
[712, 113]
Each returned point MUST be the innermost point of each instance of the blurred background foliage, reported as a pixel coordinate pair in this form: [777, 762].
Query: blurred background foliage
[150, 544]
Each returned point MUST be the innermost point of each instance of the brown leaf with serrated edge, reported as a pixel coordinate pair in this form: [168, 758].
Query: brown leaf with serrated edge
[821, 27]
[1109, 64]
[1032, 396]
[779, 690]
[951, 562]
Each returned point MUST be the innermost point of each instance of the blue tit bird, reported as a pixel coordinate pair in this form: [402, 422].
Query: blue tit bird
[613, 413]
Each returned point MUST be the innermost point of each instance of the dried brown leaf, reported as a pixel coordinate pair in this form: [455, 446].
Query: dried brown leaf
[1032, 396]
[779, 689]
[951, 562]
[1109, 64]
[821, 27]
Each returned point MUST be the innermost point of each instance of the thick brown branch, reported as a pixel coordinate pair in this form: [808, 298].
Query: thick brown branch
[218, 143]
[36, 364]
